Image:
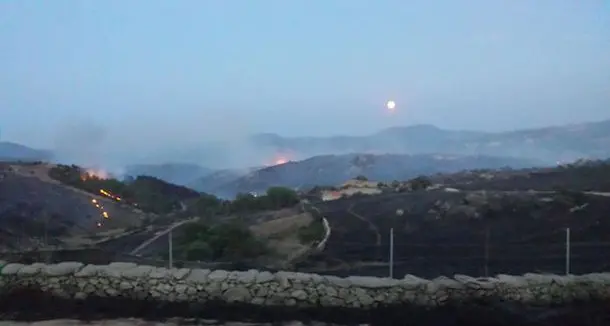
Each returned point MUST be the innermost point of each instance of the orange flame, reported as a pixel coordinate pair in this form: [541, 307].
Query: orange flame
[94, 174]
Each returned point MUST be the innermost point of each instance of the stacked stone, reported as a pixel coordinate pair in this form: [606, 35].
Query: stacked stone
[72, 280]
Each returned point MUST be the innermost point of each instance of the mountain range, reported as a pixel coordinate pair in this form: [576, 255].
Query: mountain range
[17, 152]
[550, 144]
[330, 170]
[393, 153]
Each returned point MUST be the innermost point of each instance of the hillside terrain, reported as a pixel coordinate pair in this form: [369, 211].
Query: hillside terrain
[516, 226]
[216, 182]
[582, 175]
[65, 212]
[335, 169]
[36, 209]
[548, 144]
[176, 173]
[14, 152]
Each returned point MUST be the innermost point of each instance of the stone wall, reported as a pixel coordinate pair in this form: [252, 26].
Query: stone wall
[315, 295]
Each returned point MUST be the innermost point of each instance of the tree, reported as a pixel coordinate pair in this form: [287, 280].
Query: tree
[281, 197]
[420, 183]
[226, 241]
[199, 250]
[361, 178]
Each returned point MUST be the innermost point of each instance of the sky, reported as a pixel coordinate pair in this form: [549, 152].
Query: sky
[145, 75]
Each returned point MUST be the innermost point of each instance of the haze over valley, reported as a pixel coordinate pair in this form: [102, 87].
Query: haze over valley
[305, 162]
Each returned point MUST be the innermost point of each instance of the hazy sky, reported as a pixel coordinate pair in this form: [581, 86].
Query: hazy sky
[149, 74]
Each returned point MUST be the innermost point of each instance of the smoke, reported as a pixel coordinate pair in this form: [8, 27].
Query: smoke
[80, 142]
[219, 141]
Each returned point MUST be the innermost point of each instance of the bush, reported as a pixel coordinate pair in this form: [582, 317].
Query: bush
[420, 183]
[221, 242]
[275, 198]
[312, 232]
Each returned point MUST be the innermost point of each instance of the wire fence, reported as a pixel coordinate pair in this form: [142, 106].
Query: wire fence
[477, 258]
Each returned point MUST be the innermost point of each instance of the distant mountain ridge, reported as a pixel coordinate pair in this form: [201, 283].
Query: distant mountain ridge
[16, 152]
[335, 169]
[550, 144]
[178, 173]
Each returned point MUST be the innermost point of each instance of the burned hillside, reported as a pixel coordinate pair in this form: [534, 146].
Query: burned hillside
[36, 210]
[468, 232]
[579, 176]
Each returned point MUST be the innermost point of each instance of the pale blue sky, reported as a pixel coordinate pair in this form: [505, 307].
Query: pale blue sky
[149, 74]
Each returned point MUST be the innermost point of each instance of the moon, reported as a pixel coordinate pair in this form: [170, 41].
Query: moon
[391, 105]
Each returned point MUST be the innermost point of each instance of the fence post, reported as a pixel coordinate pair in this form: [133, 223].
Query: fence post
[486, 251]
[391, 252]
[567, 251]
[171, 249]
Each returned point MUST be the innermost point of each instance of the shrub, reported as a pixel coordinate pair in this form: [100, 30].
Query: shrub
[312, 232]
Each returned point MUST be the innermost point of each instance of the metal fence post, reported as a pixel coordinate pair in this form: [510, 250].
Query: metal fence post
[391, 252]
[567, 251]
[171, 249]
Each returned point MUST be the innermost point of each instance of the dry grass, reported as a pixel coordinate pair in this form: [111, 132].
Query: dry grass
[282, 235]
[281, 226]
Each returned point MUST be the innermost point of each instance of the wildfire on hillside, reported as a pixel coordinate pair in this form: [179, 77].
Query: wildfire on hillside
[94, 174]
[109, 195]
[279, 159]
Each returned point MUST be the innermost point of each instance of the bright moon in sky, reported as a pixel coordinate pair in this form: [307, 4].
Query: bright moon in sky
[391, 105]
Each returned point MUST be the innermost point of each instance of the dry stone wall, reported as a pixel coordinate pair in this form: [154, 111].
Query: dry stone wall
[75, 281]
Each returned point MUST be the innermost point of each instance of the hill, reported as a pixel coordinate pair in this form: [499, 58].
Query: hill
[16, 152]
[72, 206]
[549, 144]
[335, 169]
[176, 173]
[582, 175]
[36, 210]
[511, 224]
[214, 183]
[67, 211]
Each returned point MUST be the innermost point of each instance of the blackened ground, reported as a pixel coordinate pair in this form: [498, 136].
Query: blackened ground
[442, 233]
[30, 304]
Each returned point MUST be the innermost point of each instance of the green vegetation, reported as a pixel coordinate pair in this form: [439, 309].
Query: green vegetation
[312, 232]
[420, 183]
[157, 196]
[275, 198]
[221, 242]
[150, 194]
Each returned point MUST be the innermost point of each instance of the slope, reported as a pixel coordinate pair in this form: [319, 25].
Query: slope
[34, 207]
[474, 231]
[550, 144]
[336, 169]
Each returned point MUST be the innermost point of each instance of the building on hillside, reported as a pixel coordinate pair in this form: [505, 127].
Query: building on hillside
[353, 183]
[331, 195]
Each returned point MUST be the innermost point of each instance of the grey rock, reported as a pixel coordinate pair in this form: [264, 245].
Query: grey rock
[218, 276]
[64, 268]
[137, 272]
[29, 270]
[237, 294]
[264, 277]
[11, 269]
[198, 275]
